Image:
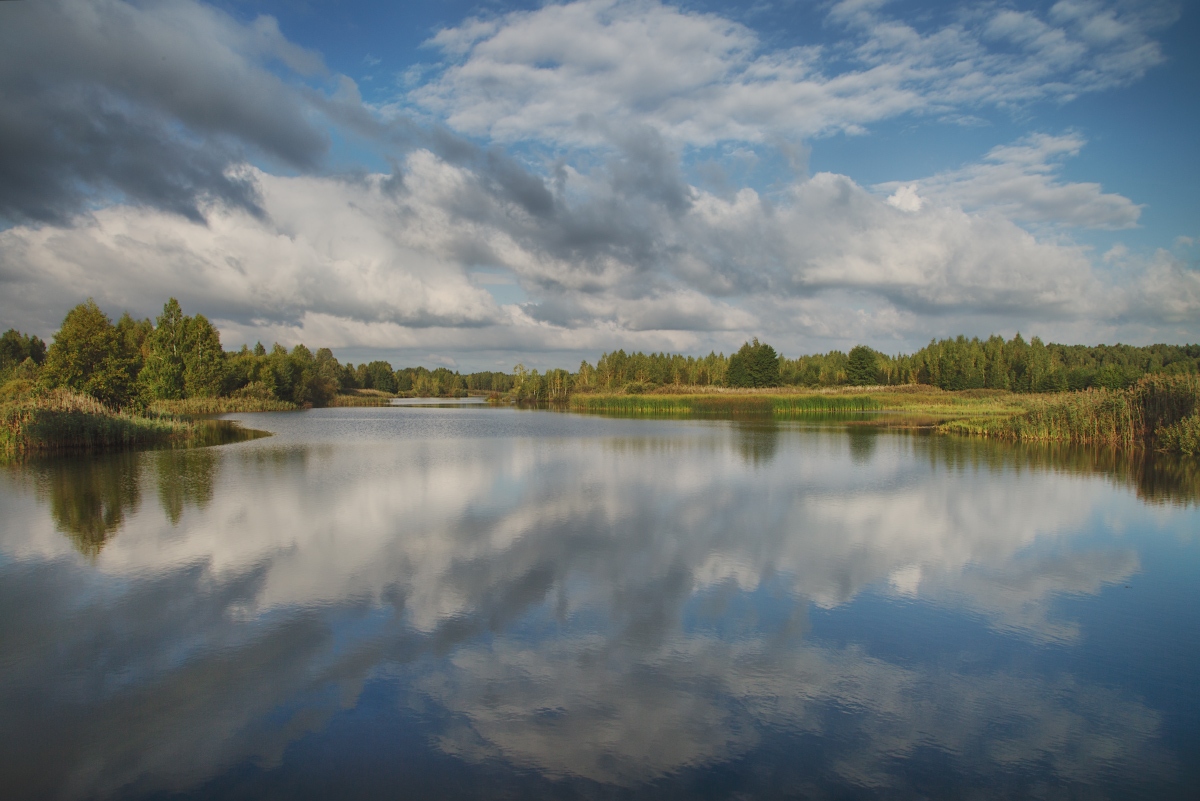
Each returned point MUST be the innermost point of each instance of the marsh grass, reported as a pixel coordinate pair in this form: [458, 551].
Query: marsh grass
[61, 421]
[193, 406]
[362, 397]
[740, 404]
[1159, 410]
[931, 402]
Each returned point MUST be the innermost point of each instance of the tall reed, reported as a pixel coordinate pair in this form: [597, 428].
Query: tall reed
[62, 420]
[219, 406]
[1159, 410]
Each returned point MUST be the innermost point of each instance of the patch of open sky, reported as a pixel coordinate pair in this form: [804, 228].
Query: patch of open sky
[1141, 139]
[910, 148]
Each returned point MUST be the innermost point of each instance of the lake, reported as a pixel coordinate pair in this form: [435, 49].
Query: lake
[484, 602]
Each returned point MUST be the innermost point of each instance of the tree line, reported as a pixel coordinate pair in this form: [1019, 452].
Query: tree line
[133, 363]
[953, 364]
[136, 362]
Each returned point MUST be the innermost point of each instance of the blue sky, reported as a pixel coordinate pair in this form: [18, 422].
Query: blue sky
[474, 184]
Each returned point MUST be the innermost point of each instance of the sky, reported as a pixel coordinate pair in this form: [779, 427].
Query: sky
[472, 185]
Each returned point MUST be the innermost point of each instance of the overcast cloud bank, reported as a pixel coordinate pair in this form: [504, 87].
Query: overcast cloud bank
[168, 149]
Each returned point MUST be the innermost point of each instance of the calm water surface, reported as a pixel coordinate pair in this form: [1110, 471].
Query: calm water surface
[479, 602]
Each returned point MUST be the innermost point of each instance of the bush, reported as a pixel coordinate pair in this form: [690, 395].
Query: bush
[1181, 437]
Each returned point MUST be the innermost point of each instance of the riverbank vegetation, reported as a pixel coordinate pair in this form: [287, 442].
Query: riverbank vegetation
[1007, 389]
[1162, 411]
[62, 421]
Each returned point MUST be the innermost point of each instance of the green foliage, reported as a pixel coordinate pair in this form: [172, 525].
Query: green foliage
[62, 420]
[184, 357]
[203, 359]
[1180, 437]
[377, 375]
[754, 365]
[20, 355]
[862, 368]
[615, 370]
[161, 377]
[90, 356]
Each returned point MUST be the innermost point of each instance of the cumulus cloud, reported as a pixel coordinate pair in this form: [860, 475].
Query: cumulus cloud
[146, 102]
[701, 78]
[627, 254]
[598, 251]
[346, 249]
[606, 247]
[1021, 182]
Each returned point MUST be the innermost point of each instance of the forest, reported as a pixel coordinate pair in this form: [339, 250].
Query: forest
[950, 364]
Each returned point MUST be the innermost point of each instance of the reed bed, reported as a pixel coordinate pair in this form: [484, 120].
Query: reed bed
[360, 400]
[1159, 410]
[190, 406]
[61, 421]
[722, 404]
[1094, 416]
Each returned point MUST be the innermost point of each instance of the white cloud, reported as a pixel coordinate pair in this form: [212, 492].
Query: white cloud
[146, 101]
[1021, 182]
[622, 256]
[701, 78]
[906, 198]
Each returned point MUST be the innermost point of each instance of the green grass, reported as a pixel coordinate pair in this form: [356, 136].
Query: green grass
[723, 404]
[929, 402]
[1160, 410]
[61, 421]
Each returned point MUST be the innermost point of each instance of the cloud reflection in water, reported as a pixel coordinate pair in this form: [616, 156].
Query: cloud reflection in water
[566, 604]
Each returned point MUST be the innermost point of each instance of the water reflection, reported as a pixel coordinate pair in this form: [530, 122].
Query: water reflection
[185, 478]
[862, 442]
[1155, 477]
[91, 499]
[595, 606]
[757, 442]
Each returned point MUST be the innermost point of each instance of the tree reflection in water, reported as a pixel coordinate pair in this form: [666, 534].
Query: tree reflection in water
[185, 478]
[90, 498]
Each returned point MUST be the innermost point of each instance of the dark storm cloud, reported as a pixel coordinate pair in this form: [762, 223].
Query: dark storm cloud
[616, 213]
[149, 103]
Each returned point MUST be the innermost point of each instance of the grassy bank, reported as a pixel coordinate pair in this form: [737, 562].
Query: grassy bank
[61, 421]
[724, 404]
[1160, 411]
[927, 401]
